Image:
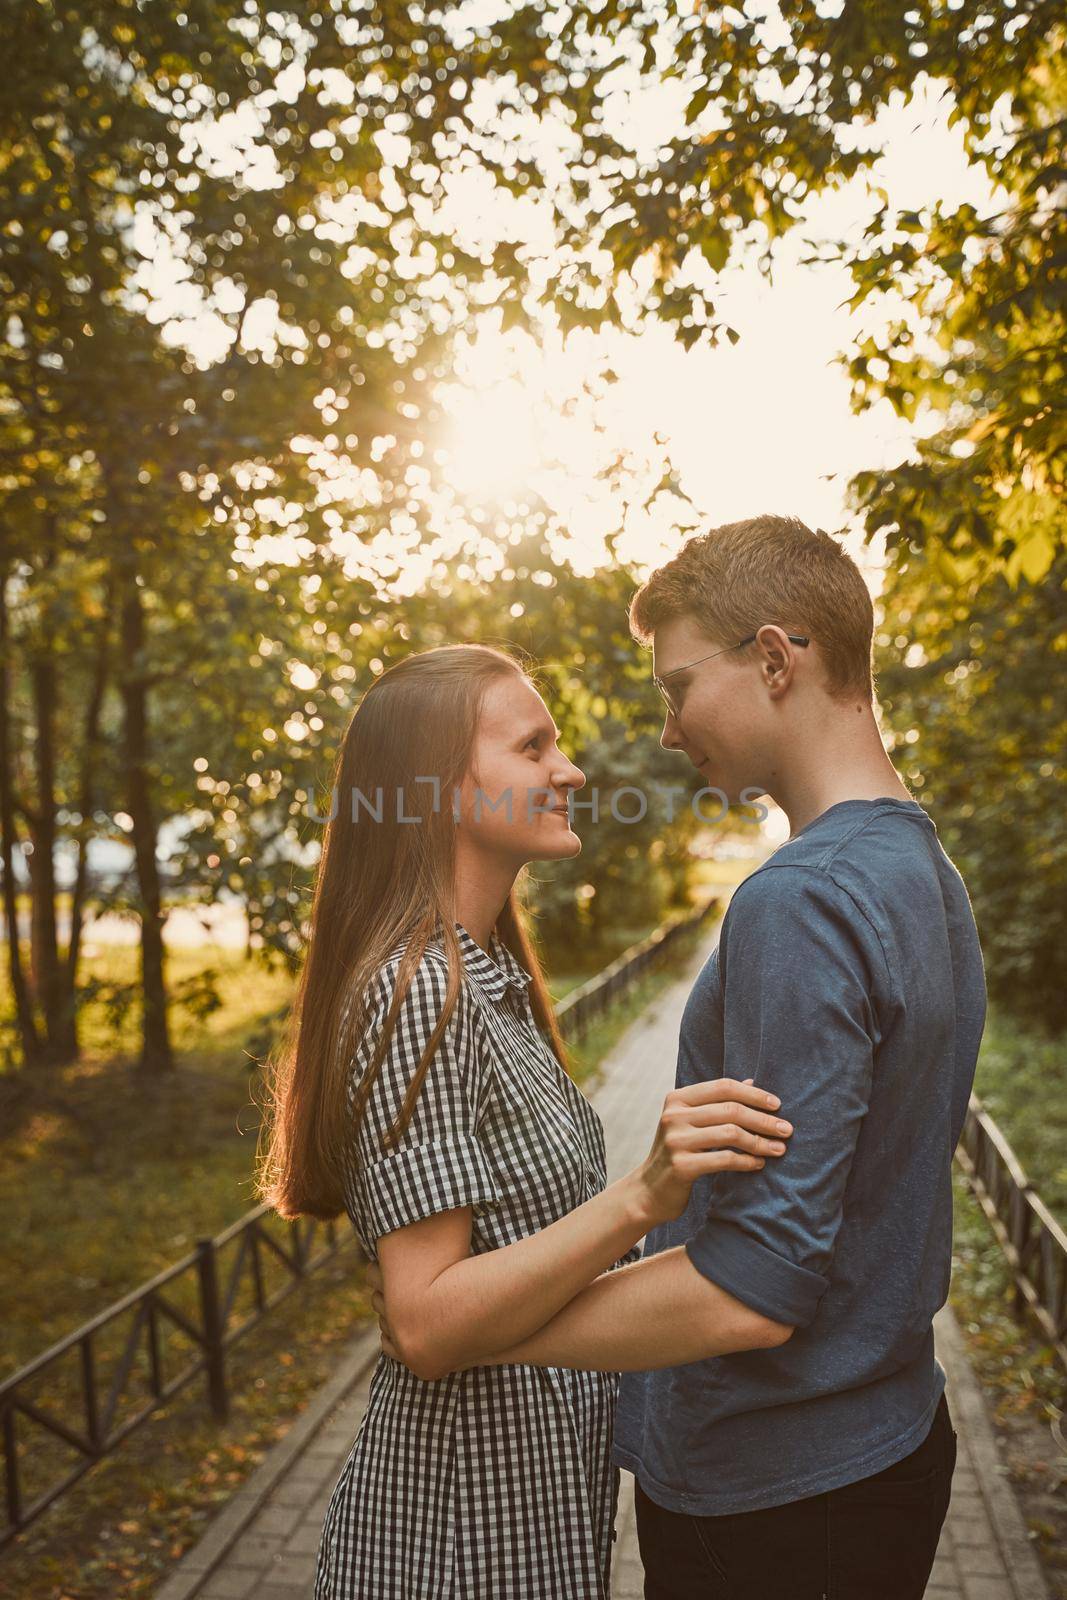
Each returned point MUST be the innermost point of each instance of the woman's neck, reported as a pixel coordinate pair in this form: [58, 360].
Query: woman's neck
[481, 892]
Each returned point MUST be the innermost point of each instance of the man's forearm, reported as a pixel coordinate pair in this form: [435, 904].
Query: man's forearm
[660, 1312]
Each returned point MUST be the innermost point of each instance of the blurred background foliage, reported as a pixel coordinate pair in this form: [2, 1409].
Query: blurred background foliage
[185, 633]
[979, 720]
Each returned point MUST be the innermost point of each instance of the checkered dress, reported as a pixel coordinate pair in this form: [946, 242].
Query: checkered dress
[495, 1483]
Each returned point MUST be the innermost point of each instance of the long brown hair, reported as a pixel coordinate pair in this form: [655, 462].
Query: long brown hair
[380, 885]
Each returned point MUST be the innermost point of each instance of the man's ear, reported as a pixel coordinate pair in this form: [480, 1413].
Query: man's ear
[776, 660]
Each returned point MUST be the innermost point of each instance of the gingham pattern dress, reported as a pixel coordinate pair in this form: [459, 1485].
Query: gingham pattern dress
[495, 1483]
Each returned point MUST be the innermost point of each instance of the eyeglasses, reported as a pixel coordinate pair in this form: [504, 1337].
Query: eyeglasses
[794, 638]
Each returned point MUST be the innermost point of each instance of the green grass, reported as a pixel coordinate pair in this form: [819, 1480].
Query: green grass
[1021, 1379]
[249, 992]
[108, 1176]
[1021, 1078]
[720, 878]
[1022, 1081]
[582, 965]
[1015, 1363]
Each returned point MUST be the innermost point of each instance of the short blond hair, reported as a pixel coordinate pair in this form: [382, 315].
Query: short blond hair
[733, 579]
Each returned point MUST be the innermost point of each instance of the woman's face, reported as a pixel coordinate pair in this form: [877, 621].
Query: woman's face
[519, 779]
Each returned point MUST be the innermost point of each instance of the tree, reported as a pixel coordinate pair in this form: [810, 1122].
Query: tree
[971, 689]
[107, 162]
[236, 261]
[982, 343]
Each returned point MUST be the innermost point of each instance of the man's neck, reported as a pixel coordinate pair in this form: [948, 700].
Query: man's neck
[846, 762]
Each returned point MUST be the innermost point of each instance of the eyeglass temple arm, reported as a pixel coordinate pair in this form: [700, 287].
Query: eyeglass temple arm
[794, 638]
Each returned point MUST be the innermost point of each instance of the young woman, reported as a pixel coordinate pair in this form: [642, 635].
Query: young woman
[424, 1091]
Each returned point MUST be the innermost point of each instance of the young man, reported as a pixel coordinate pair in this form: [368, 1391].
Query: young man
[781, 1404]
[848, 979]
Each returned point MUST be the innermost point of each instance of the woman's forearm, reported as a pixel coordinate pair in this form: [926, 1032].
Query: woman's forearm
[458, 1309]
[659, 1312]
[486, 1303]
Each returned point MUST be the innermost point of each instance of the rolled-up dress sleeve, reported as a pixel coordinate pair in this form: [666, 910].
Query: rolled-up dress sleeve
[439, 1162]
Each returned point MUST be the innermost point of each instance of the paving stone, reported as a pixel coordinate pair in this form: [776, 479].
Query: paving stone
[297, 1568]
[315, 1515]
[295, 1492]
[980, 1558]
[306, 1540]
[277, 1519]
[231, 1583]
[255, 1550]
[330, 1460]
[972, 1530]
[980, 1588]
[309, 1484]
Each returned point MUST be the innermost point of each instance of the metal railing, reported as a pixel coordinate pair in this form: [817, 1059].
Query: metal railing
[594, 998]
[1033, 1242]
[113, 1373]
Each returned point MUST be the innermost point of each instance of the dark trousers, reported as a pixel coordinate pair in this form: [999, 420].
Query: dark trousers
[874, 1539]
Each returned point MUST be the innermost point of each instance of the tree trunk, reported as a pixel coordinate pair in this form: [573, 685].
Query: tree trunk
[86, 795]
[156, 1053]
[24, 1017]
[47, 977]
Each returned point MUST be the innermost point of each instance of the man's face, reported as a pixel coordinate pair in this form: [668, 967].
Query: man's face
[719, 721]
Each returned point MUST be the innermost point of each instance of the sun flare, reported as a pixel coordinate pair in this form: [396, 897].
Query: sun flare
[493, 442]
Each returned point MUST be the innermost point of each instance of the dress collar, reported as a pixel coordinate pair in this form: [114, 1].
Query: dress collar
[496, 971]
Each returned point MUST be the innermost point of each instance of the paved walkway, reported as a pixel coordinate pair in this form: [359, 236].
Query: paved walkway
[263, 1543]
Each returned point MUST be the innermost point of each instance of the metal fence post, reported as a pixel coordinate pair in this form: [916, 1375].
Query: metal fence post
[211, 1322]
[12, 1487]
[92, 1411]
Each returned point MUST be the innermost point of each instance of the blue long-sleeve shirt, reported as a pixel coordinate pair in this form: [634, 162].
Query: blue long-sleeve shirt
[848, 980]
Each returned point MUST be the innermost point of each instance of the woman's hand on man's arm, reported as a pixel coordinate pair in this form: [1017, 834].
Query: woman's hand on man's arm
[443, 1308]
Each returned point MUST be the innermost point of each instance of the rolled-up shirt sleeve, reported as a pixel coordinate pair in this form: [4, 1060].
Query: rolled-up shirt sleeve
[803, 976]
